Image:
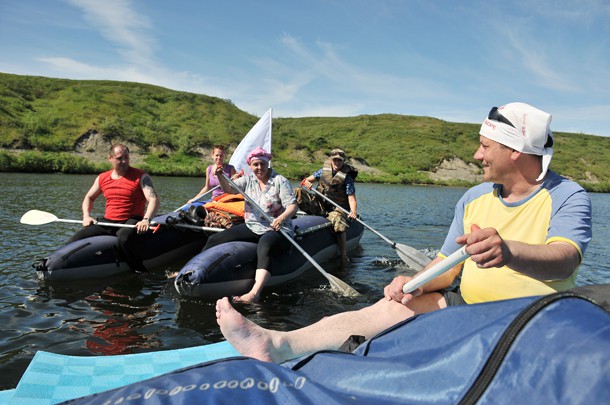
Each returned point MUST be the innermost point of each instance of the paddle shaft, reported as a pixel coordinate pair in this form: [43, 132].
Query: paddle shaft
[36, 217]
[153, 223]
[195, 227]
[333, 280]
[418, 260]
[153, 226]
[439, 268]
[74, 221]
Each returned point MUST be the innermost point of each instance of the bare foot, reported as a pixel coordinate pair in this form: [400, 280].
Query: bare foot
[249, 298]
[247, 337]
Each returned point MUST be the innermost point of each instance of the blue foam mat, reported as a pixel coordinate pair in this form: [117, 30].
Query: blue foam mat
[51, 378]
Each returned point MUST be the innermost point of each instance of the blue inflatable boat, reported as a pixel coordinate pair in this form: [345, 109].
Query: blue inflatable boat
[99, 256]
[536, 350]
[228, 269]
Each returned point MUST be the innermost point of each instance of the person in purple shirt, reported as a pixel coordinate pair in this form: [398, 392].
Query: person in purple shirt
[211, 180]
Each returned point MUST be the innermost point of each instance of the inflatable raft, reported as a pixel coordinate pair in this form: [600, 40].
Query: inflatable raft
[52, 378]
[553, 349]
[228, 269]
[99, 256]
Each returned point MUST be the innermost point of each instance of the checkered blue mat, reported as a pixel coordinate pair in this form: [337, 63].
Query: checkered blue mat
[52, 378]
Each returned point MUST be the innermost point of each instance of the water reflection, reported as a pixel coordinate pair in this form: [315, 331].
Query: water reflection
[120, 332]
[134, 313]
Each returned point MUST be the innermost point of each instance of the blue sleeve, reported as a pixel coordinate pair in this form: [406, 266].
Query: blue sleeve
[456, 229]
[457, 225]
[350, 187]
[317, 174]
[571, 216]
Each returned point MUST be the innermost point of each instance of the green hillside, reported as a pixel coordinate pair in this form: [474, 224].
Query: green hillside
[59, 125]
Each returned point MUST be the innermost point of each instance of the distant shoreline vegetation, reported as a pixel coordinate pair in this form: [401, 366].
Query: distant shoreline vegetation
[66, 126]
[65, 163]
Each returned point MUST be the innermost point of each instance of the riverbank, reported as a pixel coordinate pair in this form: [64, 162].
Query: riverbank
[450, 172]
[59, 125]
[454, 171]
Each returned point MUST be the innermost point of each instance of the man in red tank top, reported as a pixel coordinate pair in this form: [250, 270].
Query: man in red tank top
[130, 199]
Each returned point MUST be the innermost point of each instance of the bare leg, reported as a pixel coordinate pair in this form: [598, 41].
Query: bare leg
[328, 333]
[341, 241]
[260, 279]
[338, 219]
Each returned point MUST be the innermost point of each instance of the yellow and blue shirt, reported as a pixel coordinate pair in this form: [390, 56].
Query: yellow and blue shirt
[560, 210]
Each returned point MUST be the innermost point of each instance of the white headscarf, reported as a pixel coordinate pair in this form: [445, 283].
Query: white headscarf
[530, 134]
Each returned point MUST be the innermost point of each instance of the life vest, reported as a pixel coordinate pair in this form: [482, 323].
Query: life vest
[124, 196]
[333, 187]
[225, 210]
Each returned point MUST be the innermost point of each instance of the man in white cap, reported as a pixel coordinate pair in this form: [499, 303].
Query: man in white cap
[526, 229]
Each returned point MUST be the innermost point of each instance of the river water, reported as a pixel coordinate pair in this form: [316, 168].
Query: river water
[140, 313]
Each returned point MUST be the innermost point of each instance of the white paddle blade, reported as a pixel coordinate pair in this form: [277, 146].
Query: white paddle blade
[342, 287]
[412, 257]
[36, 217]
[439, 268]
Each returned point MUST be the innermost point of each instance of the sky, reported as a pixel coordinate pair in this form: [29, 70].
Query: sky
[447, 59]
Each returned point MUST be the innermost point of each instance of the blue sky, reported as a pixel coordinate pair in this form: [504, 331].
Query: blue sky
[447, 59]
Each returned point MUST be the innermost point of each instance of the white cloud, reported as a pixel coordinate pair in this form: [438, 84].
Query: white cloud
[119, 23]
[522, 50]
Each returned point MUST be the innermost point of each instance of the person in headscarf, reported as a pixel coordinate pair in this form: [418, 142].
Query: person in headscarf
[273, 194]
[525, 229]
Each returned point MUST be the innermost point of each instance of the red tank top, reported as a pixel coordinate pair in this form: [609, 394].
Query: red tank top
[124, 196]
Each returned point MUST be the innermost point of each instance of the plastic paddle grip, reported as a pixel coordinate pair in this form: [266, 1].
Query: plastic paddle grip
[439, 268]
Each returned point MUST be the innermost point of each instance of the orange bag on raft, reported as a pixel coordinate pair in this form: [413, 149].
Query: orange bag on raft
[225, 210]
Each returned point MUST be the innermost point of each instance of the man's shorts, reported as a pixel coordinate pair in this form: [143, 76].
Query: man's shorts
[338, 219]
[453, 298]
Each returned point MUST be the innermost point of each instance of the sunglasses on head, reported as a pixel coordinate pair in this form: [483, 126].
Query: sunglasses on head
[495, 115]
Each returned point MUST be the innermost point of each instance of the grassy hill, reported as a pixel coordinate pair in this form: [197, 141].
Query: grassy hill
[67, 125]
